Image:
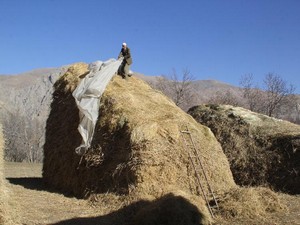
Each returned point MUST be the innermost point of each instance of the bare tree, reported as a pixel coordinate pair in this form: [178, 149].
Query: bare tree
[297, 120]
[12, 129]
[273, 99]
[224, 98]
[162, 83]
[277, 92]
[289, 109]
[251, 93]
[179, 89]
[23, 138]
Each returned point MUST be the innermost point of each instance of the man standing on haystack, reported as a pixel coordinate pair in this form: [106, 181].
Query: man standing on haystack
[127, 61]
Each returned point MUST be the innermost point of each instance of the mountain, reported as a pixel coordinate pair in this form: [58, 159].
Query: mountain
[27, 93]
[24, 108]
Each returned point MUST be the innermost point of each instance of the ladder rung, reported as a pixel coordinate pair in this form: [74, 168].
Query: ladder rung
[197, 165]
[184, 131]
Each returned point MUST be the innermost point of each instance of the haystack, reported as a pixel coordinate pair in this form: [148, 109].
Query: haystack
[137, 152]
[137, 146]
[261, 150]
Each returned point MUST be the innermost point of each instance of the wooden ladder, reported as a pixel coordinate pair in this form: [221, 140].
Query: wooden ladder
[197, 164]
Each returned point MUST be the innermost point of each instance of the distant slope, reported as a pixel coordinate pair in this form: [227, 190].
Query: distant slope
[25, 92]
[203, 89]
[24, 108]
[205, 84]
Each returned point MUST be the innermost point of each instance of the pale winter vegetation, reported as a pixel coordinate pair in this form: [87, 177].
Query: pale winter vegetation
[178, 88]
[275, 98]
[24, 138]
[225, 98]
[24, 105]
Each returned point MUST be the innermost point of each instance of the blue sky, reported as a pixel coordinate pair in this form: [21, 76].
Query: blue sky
[214, 39]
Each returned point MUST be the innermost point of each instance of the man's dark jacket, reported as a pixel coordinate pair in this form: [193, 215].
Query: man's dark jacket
[126, 54]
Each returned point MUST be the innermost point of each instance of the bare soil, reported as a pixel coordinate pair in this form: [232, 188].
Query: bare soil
[33, 203]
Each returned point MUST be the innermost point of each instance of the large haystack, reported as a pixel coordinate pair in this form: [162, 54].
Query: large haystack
[137, 147]
[261, 150]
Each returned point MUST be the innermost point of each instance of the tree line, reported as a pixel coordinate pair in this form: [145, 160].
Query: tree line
[24, 138]
[275, 98]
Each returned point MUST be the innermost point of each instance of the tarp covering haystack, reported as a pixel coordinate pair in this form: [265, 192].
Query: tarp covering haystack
[136, 151]
[261, 150]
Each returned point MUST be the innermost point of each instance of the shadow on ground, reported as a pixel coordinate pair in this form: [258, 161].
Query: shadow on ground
[34, 183]
[167, 210]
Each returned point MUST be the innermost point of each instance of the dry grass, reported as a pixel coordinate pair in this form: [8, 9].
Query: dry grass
[137, 148]
[3, 195]
[261, 150]
[250, 203]
[5, 209]
[169, 209]
[38, 205]
[71, 78]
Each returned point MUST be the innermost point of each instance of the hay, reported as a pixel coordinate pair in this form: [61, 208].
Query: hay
[137, 148]
[170, 209]
[2, 197]
[250, 203]
[5, 210]
[72, 77]
[176, 206]
[261, 150]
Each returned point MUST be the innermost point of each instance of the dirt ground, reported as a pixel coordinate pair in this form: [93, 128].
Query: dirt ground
[33, 203]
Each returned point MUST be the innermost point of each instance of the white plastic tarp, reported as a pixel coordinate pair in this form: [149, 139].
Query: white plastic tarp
[87, 96]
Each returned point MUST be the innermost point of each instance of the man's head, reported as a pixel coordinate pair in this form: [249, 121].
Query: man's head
[124, 45]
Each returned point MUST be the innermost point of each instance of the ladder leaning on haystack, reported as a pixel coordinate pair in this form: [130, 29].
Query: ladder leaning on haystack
[194, 157]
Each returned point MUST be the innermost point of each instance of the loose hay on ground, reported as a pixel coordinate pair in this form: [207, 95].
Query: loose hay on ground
[250, 203]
